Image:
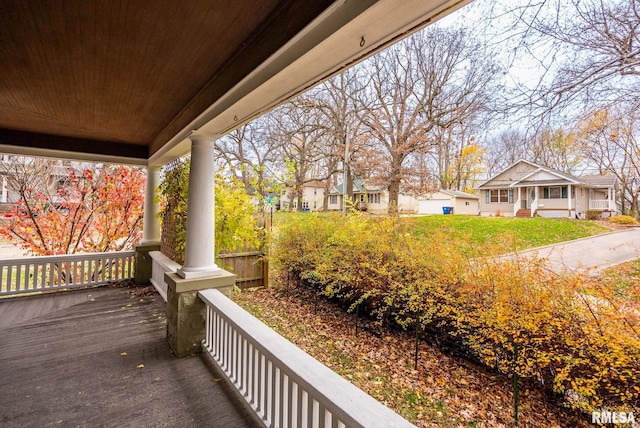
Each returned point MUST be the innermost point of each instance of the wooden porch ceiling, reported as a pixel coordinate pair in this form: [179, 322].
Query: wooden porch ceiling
[119, 76]
[121, 79]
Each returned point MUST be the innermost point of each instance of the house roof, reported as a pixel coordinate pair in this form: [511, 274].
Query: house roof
[315, 183]
[550, 176]
[358, 187]
[458, 194]
[599, 180]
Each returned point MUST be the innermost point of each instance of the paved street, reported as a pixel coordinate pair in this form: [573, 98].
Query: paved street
[593, 253]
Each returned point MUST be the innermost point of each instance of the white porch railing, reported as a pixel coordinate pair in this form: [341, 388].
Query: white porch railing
[517, 207]
[534, 207]
[601, 204]
[45, 273]
[284, 385]
[160, 265]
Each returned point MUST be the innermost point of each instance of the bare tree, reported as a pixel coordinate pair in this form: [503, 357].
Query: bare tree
[588, 50]
[251, 154]
[432, 80]
[301, 145]
[609, 138]
[506, 148]
[337, 114]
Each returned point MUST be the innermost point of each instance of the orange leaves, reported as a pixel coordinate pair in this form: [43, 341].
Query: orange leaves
[574, 336]
[89, 210]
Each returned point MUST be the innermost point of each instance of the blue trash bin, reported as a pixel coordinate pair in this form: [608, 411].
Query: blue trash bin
[447, 210]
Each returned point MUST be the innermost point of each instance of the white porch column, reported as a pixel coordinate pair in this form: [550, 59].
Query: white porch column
[612, 198]
[569, 198]
[3, 198]
[199, 258]
[151, 222]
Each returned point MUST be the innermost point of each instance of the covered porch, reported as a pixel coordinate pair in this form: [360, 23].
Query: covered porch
[564, 200]
[122, 82]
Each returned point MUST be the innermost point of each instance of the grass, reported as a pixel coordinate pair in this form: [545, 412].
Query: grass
[492, 235]
[624, 280]
[501, 234]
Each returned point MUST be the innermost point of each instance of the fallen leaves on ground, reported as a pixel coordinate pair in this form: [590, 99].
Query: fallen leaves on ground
[442, 392]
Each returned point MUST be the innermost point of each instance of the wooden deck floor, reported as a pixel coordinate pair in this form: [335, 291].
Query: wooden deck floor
[99, 358]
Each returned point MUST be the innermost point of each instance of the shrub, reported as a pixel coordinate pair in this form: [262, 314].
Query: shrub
[594, 215]
[571, 332]
[623, 219]
[235, 222]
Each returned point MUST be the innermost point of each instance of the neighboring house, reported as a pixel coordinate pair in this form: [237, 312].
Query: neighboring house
[58, 177]
[371, 198]
[526, 189]
[460, 202]
[312, 197]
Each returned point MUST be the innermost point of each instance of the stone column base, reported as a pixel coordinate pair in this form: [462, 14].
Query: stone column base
[143, 263]
[186, 312]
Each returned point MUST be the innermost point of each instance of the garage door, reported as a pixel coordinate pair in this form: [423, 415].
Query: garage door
[433, 206]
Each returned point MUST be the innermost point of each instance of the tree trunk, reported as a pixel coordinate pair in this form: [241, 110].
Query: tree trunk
[394, 185]
[349, 184]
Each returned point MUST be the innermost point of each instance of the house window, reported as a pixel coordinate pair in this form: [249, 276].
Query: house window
[305, 206]
[333, 199]
[361, 197]
[555, 192]
[466, 203]
[315, 191]
[373, 198]
[315, 205]
[499, 196]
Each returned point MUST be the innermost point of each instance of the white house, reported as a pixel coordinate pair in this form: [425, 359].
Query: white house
[312, 197]
[526, 189]
[458, 202]
[371, 198]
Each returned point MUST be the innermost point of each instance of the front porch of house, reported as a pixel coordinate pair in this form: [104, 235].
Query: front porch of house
[79, 351]
[563, 201]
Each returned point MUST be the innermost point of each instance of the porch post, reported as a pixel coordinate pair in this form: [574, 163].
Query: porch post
[520, 197]
[150, 229]
[612, 199]
[151, 222]
[537, 201]
[569, 198]
[199, 257]
[3, 198]
[185, 310]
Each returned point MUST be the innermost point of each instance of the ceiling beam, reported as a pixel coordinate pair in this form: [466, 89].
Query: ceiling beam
[33, 144]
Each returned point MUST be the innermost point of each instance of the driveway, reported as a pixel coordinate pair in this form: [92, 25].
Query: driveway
[592, 253]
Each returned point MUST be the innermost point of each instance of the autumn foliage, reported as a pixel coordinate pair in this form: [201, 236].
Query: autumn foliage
[235, 221]
[577, 337]
[90, 210]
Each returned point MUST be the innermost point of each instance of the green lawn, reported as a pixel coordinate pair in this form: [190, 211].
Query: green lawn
[501, 234]
[490, 235]
[625, 281]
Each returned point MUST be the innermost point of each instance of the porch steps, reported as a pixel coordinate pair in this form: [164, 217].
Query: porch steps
[523, 213]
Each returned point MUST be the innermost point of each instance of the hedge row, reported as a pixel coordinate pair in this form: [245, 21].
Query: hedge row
[574, 337]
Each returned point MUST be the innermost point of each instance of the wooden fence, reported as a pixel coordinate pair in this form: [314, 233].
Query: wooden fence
[250, 268]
